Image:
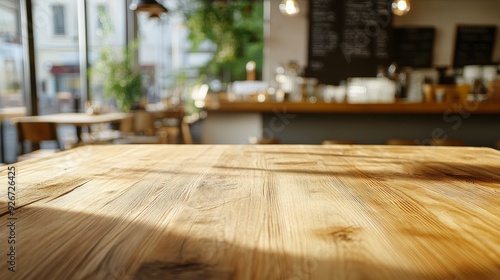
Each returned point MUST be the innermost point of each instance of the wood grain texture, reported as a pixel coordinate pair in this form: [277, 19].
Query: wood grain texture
[258, 212]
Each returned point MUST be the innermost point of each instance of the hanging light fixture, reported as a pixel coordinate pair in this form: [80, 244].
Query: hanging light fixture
[289, 7]
[154, 15]
[401, 7]
[150, 6]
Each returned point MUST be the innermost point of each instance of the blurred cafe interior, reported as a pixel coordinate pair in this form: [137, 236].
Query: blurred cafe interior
[254, 139]
[247, 72]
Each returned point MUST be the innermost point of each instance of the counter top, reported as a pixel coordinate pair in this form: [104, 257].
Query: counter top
[255, 212]
[485, 107]
[12, 112]
[78, 119]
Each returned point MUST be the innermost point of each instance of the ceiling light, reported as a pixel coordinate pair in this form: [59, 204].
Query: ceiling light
[401, 7]
[289, 7]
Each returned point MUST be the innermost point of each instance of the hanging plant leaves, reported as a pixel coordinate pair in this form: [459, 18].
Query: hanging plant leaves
[236, 30]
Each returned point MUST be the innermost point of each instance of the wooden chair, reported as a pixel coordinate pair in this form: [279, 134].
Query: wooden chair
[139, 129]
[174, 123]
[35, 133]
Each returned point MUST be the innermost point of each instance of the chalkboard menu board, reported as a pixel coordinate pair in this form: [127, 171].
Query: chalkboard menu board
[348, 38]
[413, 46]
[474, 45]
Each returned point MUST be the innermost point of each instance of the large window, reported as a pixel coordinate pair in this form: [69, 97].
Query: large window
[11, 72]
[158, 41]
[106, 27]
[57, 58]
[165, 53]
[11, 56]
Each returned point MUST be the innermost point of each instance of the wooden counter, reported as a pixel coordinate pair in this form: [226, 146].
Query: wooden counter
[486, 107]
[256, 212]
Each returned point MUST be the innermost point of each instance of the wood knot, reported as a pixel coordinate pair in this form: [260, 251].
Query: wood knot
[342, 234]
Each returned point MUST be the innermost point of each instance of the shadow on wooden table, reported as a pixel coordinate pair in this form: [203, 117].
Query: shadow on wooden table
[57, 244]
[373, 165]
[431, 171]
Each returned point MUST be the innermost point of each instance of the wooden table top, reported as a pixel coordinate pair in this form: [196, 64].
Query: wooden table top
[77, 119]
[257, 212]
[11, 112]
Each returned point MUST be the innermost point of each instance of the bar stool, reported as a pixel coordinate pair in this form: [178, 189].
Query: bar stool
[447, 142]
[263, 141]
[400, 141]
[338, 142]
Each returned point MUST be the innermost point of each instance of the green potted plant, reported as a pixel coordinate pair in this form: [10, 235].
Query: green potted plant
[120, 79]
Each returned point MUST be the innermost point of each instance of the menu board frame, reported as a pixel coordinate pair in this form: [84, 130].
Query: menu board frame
[348, 38]
[413, 46]
[464, 33]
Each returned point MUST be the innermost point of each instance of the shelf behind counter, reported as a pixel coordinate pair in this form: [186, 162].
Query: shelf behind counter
[474, 123]
[400, 107]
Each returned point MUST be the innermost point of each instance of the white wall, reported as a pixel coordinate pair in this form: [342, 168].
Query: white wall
[288, 36]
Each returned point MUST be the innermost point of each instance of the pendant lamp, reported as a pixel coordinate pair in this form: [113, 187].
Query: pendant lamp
[150, 6]
[401, 7]
[289, 7]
